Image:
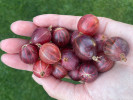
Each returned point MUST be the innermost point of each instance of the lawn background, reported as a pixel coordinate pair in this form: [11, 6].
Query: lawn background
[18, 85]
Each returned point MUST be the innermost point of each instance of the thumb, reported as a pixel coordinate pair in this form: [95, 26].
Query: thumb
[56, 88]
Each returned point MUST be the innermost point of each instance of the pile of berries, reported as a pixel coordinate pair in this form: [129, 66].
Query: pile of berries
[80, 54]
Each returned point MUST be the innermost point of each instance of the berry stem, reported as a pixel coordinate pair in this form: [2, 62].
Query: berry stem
[103, 37]
[24, 45]
[123, 58]
[50, 28]
[96, 58]
[30, 42]
[59, 28]
[39, 45]
[65, 59]
[42, 73]
[80, 33]
[94, 44]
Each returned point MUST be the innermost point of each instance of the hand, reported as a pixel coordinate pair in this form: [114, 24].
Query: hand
[116, 84]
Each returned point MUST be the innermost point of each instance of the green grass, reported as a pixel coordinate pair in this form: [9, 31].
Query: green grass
[18, 85]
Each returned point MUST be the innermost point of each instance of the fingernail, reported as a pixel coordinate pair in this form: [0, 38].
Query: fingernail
[3, 58]
[35, 20]
[0, 44]
[38, 80]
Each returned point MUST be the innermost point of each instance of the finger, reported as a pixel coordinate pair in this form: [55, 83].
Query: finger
[67, 21]
[24, 28]
[56, 88]
[106, 25]
[115, 28]
[59, 89]
[14, 61]
[62, 90]
[12, 45]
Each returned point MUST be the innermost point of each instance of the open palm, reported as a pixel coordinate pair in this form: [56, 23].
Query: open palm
[116, 84]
